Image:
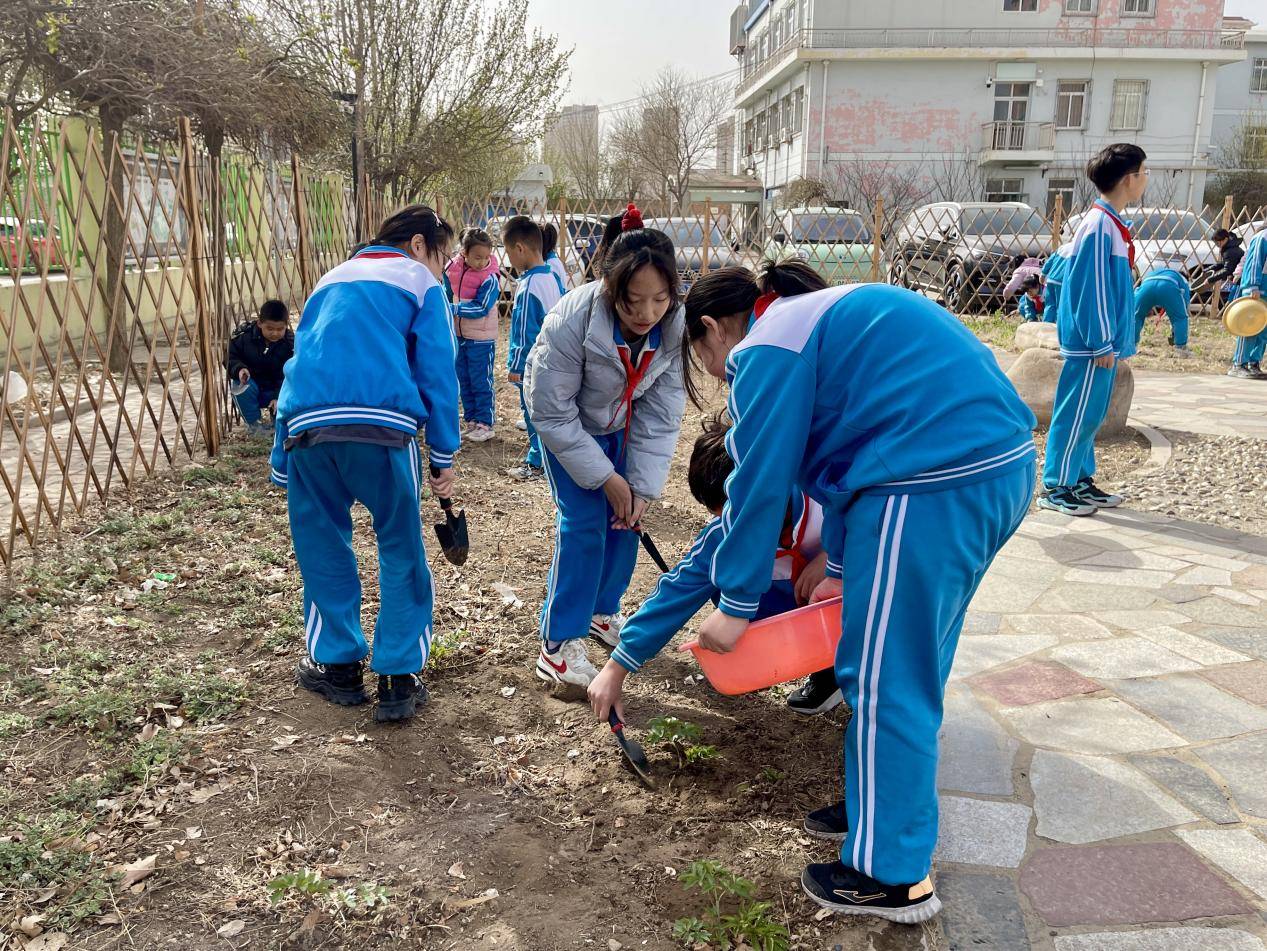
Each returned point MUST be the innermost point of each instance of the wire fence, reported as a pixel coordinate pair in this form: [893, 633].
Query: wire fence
[124, 267]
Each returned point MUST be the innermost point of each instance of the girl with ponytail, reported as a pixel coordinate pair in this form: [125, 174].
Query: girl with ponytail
[924, 468]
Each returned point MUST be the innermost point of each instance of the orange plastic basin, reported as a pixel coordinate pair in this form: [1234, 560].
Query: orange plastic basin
[775, 650]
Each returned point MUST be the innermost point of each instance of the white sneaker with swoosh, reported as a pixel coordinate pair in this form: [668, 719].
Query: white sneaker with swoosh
[567, 665]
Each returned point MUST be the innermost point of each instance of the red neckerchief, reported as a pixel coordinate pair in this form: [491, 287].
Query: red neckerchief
[633, 375]
[1124, 231]
[1039, 304]
[764, 301]
[792, 538]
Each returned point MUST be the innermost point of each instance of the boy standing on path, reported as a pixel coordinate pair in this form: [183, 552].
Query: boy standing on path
[1096, 325]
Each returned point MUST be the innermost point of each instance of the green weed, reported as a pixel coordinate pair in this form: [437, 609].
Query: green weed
[682, 737]
[732, 918]
[307, 884]
[42, 853]
[206, 475]
[14, 724]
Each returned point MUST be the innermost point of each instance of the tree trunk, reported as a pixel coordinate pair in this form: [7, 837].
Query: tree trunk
[118, 346]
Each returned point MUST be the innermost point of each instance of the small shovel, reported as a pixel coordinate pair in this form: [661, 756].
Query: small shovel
[654, 552]
[635, 758]
[452, 533]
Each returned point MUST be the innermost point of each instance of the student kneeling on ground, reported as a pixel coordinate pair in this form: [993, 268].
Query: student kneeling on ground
[257, 358]
[924, 470]
[374, 365]
[799, 565]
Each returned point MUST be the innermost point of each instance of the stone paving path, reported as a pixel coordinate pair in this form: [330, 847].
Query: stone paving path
[1197, 403]
[1104, 753]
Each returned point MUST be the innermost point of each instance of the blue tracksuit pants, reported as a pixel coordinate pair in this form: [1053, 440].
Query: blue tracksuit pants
[534, 441]
[912, 565]
[324, 482]
[253, 400]
[1170, 299]
[1250, 349]
[1082, 400]
[475, 379]
[592, 562]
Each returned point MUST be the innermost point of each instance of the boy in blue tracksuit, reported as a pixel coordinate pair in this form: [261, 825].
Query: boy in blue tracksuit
[799, 565]
[373, 365]
[1054, 270]
[538, 290]
[1096, 326]
[1247, 359]
[1168, 290]
[923, 474]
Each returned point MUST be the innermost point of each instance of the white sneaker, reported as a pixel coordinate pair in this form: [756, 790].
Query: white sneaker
[526, 473]
[1183, 353]
[568, 665]
[480, 433]
[522, 424]
[605, 628]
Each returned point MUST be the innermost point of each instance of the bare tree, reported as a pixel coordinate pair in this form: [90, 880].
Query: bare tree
[1242, 165]
[672, 131]
[860, 183]
[957, 177]
[434, 86]
[574, 150]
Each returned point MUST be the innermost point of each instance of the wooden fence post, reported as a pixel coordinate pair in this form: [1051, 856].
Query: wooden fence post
[204, 350]
[876, 240]
[1057, 221]
[1227, 212]
[301, 229]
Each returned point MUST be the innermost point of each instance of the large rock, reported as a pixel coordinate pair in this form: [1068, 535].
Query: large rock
[1036, 333]
[1036, 373]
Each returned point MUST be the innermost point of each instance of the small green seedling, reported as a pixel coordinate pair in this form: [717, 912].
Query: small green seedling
[682, 737]
[307, 883]
[732, 919]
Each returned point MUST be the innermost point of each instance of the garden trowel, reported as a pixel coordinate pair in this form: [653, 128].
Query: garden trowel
[454, 540]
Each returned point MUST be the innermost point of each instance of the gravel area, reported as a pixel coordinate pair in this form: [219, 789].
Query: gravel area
[1116, 458]
[1219, 480]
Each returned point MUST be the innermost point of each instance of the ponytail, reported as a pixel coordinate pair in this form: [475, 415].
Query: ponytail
[399, 229]
[789, 278]
[549, 239]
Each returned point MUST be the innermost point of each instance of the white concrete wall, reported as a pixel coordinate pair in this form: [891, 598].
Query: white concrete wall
[1235, 104]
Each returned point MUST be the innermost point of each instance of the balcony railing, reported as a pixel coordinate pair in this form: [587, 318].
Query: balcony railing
[1008, 136]
[1060, 37]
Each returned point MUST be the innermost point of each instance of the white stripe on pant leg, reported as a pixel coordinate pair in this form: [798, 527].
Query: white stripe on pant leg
[558, 547]
[316, 635]
[1079, 416]
[1238, 357]
[312, 616]
[415, 465]
[860, 705]
[874, 690]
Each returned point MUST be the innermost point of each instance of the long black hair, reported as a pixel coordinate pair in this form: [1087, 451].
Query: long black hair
[549, 239]
[399, 228]
[633, 250]
[730, 293]
[611, 231]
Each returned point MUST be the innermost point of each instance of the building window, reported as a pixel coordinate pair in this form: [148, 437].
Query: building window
[1129, 97]
[1258, 75]
[798, 110]
[1256, 143]
[1080, 7]
[1005, 189]
[1139, 8]
[1020, 6]
[1062, 187]
[1071, 103]
[785, 117]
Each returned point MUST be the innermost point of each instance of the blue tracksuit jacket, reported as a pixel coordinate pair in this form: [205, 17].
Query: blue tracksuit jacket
[1028, 309]
[1097, 298]
[1054, 270]
[1254, 266]
[872, 423]
[482, 302]
[538, 290]
[374, 347]
[1169, 290]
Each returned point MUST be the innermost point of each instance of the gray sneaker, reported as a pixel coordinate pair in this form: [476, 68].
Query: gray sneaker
[526, 473]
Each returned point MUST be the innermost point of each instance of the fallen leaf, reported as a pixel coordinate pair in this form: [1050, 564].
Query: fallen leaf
[231, 929]
[148, 732]
[52, 941]
[465, 903]
[281, 742]
[30, 925]
[193, 832]
[137, 871]
[499, 740]
[456, 870]
[823, 914]
[308, 926]
[199, 796]
[507, 594]
[110, 918]
[508, 692]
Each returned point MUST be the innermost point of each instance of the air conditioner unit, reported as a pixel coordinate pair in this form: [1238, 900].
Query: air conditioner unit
[785, 134]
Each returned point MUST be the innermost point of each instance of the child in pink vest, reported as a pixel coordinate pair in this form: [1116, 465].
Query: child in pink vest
[473, 283]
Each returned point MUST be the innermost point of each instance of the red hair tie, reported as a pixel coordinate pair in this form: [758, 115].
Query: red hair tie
[631, 220]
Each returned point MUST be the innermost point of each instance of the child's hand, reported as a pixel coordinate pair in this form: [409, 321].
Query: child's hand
[827, 589]
[244, 376]
[514, 377]
[442, 484]
[1105, 362]
[620, 497]
[605, 691]
[811, 576]
[720, 632]
[634, 523]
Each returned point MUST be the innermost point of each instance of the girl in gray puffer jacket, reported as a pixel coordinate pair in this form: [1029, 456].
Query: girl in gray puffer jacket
[603, 387]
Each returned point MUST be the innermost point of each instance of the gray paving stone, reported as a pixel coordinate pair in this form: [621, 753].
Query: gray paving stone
[1135, 558]
[1218, 611]
[976, 754]
[1205, 575]
[1162, 939]
[1182, 593]
[1079, 598]
[1070, 626]
[981, 912]
[981, 652]
[1090, 725]
[980, 622]
[1189, 784]
[1120, 658]
[1242, 639]
[1001, 594]
[1080, 799]
[1240, 763]
[1239, 852]
[1193, 647]
[1192, 706]
[1120, 577]
[981, 832]
[1141, 620]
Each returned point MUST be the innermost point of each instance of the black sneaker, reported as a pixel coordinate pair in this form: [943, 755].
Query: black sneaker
[818, 696]
[1087, 491]
[343, 684]
[830, 823]
[1241, 372]
[836, 886]
[399, 697]
[1061, 499]
[1256, 372]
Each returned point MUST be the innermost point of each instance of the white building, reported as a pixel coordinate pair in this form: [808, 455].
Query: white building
[1014, 95]
[1240, 106]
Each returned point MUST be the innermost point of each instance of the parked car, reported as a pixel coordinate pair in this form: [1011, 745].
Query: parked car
[28, 245]
[687, 235]
[966, 251]
[835, 242]
[1169, 238]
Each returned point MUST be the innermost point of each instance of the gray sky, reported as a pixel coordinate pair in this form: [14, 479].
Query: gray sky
[621, 44]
